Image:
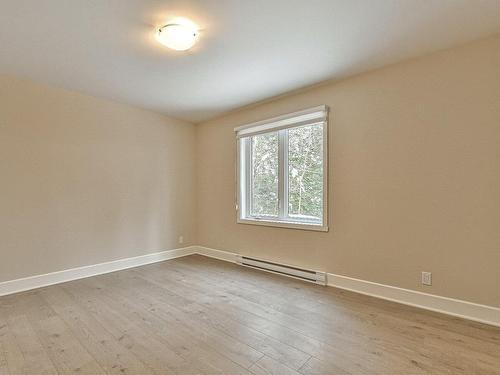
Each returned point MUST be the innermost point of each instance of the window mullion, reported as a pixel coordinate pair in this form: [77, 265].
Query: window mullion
[285, 173]
[281, 173]
[248, 176]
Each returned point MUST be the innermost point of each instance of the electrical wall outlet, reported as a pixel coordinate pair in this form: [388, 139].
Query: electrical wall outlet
[181, 239]
[426, 278]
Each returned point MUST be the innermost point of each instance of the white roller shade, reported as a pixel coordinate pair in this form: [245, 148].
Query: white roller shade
[304, 117]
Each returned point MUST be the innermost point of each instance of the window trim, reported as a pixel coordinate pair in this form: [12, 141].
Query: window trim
[243, 182]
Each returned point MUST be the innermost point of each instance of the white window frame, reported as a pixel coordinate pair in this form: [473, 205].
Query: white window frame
[278, 124]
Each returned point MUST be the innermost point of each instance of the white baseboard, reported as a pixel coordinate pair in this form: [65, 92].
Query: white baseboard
[38, 281]
[450, 306]
[463, 309]
[217, 254]
[459, 308]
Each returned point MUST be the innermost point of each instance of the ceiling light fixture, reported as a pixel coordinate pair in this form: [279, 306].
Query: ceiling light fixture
[180, 35]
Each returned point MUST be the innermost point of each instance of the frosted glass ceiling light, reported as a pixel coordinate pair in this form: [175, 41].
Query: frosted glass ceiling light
[179, 36]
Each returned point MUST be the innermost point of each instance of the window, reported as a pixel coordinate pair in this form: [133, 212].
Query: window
[282, 171]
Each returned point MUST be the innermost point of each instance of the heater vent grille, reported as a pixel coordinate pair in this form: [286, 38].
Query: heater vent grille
[283, 269]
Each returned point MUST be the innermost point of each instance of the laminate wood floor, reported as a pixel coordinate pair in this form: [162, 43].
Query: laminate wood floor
[196, 315]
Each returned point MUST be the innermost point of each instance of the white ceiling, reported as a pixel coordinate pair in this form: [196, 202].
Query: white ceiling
[248, 50]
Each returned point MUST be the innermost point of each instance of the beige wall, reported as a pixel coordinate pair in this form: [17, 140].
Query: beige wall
[415, 177]
[85, 180]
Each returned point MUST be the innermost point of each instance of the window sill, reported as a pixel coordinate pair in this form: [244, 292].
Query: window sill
[284, 224]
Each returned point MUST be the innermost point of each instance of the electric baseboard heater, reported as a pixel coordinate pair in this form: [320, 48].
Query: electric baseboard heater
[282, 269]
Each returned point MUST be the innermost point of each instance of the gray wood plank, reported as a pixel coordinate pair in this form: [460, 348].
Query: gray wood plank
[196, 315]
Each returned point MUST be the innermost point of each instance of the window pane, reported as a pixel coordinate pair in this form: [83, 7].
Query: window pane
[305, 172]
[264, 175]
